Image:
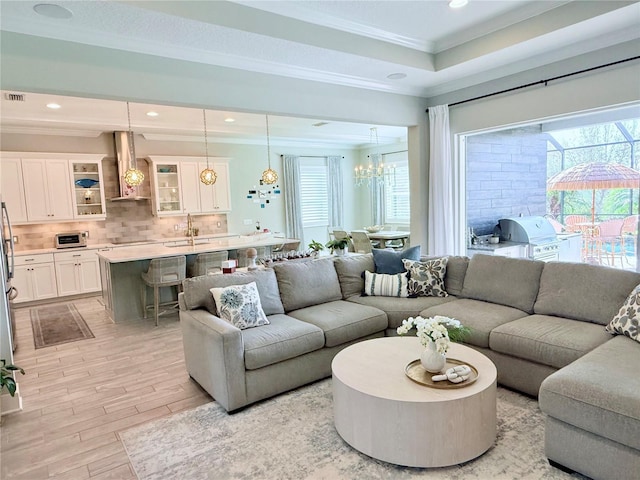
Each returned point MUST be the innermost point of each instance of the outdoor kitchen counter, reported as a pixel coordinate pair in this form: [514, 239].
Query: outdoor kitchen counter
[504, 248]
[121, 270]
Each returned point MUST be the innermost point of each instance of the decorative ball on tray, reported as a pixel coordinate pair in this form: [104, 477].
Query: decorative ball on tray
[374, 228]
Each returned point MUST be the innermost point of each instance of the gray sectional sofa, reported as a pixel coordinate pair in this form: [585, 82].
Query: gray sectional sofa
[542, 324]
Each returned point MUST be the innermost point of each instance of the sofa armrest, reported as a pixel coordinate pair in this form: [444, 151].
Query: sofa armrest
[214, 356]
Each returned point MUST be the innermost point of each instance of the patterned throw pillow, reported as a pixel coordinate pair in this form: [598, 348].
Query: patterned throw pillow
[627, 321]
[426, 279]
[240, 305]
[381, 285]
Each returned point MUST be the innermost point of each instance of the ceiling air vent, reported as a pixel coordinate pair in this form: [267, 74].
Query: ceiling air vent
[14, 97]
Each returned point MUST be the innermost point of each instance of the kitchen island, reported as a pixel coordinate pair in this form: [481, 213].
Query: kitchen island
[121, 269]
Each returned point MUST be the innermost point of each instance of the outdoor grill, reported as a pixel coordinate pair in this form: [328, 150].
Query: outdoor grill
[537, 232]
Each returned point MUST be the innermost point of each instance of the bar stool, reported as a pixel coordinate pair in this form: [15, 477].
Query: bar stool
[163, 272]
[241, 255]
[208, 263]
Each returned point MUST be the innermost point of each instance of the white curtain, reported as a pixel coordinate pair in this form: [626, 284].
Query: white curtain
[377, 193]
[443, 196]
[293, 213]
[334, 190]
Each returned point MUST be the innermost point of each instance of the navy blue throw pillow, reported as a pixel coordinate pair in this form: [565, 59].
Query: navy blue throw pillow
[390, 261]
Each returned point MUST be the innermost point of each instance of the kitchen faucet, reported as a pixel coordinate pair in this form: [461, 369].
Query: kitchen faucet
[190, 229]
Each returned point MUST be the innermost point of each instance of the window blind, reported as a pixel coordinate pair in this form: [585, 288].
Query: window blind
[396, 192]
[314, 195]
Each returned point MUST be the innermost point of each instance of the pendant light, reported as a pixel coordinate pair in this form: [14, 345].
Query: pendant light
[269, 176]
[132, 177]
[207, 176]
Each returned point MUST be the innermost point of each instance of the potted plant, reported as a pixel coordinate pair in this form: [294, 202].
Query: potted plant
[6, 376]
[338, 245]
[317, 247]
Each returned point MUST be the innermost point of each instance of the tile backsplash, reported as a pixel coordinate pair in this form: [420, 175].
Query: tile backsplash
[127, 221]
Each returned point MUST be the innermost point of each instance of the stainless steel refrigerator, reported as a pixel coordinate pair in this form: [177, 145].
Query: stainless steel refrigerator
[7, 322]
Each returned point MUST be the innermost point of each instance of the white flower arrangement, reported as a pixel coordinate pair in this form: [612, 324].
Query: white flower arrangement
[439, 329]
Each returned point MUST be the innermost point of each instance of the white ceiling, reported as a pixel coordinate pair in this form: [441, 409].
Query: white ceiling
[354, 43]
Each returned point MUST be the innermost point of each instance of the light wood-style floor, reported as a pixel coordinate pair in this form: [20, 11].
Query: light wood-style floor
[78, 396]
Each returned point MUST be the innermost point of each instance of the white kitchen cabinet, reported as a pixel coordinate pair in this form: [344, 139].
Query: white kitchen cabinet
[12, 189]
[215, 198]
[178, 189]
[34, 278]
[88, 190]
[47, 189]
[77, 272]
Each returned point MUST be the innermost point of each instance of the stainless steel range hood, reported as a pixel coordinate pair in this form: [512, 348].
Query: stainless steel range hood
[125, 157]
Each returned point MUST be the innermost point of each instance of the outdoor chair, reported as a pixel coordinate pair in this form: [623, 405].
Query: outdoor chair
[629, 234]
[608, 241]
[571, 221]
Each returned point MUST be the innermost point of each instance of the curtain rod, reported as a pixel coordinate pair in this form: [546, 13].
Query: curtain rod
[539, 82]
[312, 156]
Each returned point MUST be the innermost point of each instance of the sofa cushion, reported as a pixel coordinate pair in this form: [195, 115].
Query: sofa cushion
[390, 261]
[379, 284]
[349, 269]
[303, 284]
[552, 341]
[399, 309]
[456, 271]
[240, 305]
[599, 392]
[513, 282]
[627, 320]
[197, 289]
[481, 317]
[592, 293]
[343, 321]
[426, 279]
[284, 338]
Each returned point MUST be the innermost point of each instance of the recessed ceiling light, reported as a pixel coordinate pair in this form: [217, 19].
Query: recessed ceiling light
[53, 106]
[152, 114]
[52, 10]
[397, 76]
[229, 120]
[457, 3]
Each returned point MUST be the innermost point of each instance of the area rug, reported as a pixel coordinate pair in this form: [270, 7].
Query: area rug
[58, 324]
[292, 437]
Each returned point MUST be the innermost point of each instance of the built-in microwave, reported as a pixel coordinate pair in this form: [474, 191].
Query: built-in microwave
[71, 239]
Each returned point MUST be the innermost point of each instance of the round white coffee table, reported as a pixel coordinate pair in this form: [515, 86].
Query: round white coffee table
[381, 412]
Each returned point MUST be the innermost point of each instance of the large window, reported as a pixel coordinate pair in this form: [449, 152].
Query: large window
[313, 193]
[396, 190]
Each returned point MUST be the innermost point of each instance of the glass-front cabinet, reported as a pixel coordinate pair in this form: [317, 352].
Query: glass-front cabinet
[178, 189]
[88, 189]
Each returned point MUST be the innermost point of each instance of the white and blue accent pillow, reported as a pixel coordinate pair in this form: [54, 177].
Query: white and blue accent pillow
[379, 284]
[240, 305]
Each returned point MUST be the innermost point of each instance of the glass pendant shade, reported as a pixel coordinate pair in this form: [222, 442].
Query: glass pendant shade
[132, 176]
[207, 176]
[269, 176]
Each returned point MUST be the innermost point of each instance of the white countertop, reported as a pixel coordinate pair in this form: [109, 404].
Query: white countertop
[145, 252]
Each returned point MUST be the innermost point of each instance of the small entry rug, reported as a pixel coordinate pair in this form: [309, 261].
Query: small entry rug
[292, 436]
[57, 324]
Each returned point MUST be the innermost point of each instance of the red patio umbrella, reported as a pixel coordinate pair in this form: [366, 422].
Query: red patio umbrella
[595, 176]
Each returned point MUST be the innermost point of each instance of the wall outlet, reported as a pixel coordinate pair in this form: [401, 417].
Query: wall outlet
[176, 226]
[16, 239]
[85, 234]
[218, 224]
[248, 221]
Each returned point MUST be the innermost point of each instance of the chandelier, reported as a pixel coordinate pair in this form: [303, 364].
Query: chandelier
[269, 176]
[132, 176]
[374, 174]
[207, 176]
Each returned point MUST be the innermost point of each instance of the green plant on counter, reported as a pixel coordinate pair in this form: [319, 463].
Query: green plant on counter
[337, 244]
[316, 246]
[6, 376]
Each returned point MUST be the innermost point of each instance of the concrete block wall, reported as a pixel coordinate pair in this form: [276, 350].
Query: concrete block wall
[506, 176]
[127, 221]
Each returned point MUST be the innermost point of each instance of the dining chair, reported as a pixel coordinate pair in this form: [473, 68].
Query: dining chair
[361, 242]
[340, 234]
